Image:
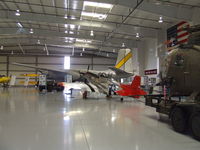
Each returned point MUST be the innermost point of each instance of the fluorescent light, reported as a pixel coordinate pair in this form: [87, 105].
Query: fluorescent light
[88, 41]
[19, 25]
[66, 25]
[1, 47]
[107, 55]
[31, 31]
[72, 26]
[113, 50]
[123, 45]
[94, 15]
[137, 35]
[38, 42]
[91, 33]
[95, 4]
[73, 18]
[83, 49]
[81, 54]
[65, 17]
[160, 19]
[83, 41]
[66, 62]
[66, 31]
[17, 13]
[71, 32]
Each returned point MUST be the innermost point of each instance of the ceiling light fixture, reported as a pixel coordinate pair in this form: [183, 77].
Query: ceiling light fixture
[123, 45]
[19, 25]
[73, 18]
[66, 31]
[1, 47]
[83, 41]
[66, 17]
[71, 32]
[83, 49]
[17, 13]
[107, 55]
[81, 54]
[38, 41]
[95, 4]
[160, 19]
[91, 33]
[66, 25]
[137, 35]
[72, 26]
[113, 50]
[94, 15]
[31, 31]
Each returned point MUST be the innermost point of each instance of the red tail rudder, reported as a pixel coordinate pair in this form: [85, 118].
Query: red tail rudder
[136, 82]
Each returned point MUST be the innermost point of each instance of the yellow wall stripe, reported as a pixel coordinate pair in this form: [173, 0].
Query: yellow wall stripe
[124, 60]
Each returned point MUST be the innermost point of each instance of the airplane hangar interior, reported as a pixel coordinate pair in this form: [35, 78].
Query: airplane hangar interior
[99, 75]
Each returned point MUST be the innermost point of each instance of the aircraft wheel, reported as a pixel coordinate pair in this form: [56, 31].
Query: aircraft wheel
[41, 88]
[121, 99]
[49, 88]
[195, 125]
[178, 120]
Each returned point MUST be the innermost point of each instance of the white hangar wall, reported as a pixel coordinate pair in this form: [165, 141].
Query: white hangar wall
[6, 68]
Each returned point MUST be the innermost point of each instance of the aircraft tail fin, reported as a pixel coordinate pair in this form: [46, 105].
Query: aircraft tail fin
[124, 60]
[136, 82]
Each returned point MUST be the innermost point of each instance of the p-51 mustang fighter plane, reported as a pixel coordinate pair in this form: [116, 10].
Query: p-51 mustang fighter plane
[101, 79]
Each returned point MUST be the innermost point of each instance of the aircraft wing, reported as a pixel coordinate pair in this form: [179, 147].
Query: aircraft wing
[120, 73]
[70, 71]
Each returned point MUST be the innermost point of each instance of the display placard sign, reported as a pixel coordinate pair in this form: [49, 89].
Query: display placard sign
[150, 72]
[42, 80]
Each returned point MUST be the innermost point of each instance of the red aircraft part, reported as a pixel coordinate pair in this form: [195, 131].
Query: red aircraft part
[132, 89]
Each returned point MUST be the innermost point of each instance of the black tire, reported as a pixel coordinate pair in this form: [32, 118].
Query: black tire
[49, 88]
[121, 99]
[178, 120]
[62, 88]
[41, 88]
[195, 125]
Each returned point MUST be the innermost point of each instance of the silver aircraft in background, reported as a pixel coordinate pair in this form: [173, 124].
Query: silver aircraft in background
[101, 79]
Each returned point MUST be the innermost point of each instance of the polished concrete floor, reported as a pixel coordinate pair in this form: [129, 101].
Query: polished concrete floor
[54, 121]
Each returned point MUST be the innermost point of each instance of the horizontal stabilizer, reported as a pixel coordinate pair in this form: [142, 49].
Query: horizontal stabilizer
[120, 73]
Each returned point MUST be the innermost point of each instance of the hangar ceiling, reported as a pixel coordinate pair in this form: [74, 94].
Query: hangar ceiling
[97, 27]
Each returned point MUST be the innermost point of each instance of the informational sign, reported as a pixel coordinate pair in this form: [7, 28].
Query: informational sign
[42, 80]
[150, 72]
[69, 78]
[12, 80]
[26, 81]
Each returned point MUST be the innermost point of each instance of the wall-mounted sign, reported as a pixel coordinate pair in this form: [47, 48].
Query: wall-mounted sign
[150, 72]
